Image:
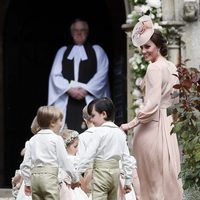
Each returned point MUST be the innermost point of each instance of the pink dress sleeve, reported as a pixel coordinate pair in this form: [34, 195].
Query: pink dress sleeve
[152, 98]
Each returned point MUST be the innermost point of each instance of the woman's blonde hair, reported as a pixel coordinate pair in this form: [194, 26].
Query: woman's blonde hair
[47, 115]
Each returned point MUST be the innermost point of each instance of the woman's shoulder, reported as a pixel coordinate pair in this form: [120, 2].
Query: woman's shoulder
[161, 64]
[155, 66]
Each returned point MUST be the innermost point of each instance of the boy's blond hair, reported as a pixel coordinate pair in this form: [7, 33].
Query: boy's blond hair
[47, 115]
[85, 114]
[35, 126]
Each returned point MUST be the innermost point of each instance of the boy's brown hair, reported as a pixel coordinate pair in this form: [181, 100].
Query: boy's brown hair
[47, 115]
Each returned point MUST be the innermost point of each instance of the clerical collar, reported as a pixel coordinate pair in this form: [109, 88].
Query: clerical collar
[78, 51]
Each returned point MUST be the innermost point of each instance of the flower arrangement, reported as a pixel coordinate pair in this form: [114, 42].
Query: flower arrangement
[137, 62]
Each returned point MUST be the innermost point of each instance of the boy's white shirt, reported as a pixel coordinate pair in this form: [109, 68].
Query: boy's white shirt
[46, 148]
[84, 141]
[109, 142]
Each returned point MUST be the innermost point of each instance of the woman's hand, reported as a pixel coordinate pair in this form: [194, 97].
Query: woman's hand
[125, 127]
[127, 189]
[129, 125]
[27, 190]
[74, 185]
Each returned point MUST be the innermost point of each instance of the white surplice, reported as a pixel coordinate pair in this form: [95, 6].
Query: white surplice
[98, 85]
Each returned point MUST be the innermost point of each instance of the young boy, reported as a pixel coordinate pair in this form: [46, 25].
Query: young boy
[46, 152]
[106, 148]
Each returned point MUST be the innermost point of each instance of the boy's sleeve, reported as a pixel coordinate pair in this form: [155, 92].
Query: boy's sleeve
[128, 164]
[25, 166]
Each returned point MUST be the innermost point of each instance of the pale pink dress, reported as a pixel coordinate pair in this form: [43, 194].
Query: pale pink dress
[122, 195]
[155, 149]
[66, 192]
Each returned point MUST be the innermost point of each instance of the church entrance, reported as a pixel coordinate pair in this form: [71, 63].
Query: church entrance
[33, 32]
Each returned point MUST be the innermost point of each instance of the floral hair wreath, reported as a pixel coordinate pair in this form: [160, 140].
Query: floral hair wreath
[72, 135]
[142, 31]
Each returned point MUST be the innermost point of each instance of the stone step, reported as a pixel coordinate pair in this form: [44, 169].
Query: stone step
[7, 198]
[6, 194]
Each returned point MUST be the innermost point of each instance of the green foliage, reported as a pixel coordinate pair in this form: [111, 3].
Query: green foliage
[187, 124]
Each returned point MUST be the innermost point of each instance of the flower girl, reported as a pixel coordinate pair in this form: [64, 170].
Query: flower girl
[66, 192]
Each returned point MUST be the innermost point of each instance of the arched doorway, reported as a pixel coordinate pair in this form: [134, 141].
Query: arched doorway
[33, 32]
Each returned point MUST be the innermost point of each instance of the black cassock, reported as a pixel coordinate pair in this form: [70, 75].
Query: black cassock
[87, 69]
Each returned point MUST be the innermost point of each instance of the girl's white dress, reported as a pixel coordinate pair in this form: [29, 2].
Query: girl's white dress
[21, 195]
[121, 195]
[66, 192]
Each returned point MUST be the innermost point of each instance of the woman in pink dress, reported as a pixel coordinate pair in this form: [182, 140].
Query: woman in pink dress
[155, 149]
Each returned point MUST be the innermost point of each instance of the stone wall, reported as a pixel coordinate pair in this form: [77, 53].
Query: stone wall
[186, 12]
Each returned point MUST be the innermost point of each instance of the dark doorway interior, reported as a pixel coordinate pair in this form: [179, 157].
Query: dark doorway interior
[34, 31]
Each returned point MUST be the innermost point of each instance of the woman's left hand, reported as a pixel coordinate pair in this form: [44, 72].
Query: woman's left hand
[125, 127]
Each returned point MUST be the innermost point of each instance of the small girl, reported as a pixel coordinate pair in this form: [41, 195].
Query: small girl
[71, 140]
[121, 193]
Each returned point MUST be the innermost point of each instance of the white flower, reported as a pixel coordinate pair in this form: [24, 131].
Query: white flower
[157, 26]
[138, 102]
[129, 16]
[144, 8]
[138, 81]
[137, 9]
[154, 3]
[136, 93]
[142, 66]
[131, 60]
[152, 16]
[138, 60]
[134, 13]
[159, 15]
[137, 110]
[135, 66]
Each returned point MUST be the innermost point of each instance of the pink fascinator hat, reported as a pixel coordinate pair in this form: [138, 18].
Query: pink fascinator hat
[142, 31]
